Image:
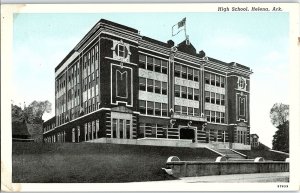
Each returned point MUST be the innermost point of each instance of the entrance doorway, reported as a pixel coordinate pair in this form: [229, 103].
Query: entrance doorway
[121, 128]
[187, 133]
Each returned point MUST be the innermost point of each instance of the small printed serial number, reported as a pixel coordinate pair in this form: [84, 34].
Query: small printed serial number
[282, 186]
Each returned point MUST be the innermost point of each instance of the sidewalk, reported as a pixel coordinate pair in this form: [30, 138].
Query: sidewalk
[234, 178]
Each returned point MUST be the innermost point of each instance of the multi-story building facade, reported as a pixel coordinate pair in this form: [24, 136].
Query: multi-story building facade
[118, 84]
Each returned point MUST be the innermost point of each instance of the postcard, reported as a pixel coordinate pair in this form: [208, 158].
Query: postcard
[150, 97]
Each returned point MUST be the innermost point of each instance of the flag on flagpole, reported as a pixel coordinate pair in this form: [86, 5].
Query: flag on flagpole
[179, 27]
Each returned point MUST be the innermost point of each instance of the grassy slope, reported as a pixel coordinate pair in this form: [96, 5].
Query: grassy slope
[266, 154]
[102, 163]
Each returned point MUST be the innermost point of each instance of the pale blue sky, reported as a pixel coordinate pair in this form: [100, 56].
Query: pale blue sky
[257, 40]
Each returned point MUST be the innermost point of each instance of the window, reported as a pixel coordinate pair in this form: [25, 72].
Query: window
[142, 106]
[196, 94]
[196, 75]
[128, 129]
[217, 117]
[158, 109]
[114, 128]
[212, 79]
[190, 73]
[142, 82]
[222, 117]
[217, 80]
[183, 92]
[190, 111]
[196, 112]
[218, 102]
[149, 63]
[157, 86]
[177, 91]
[212, 97]
[149, 85]
[157, 65]
[207, 96]
[121, 50]
[141, 133]
[222, 99]
[184, 72]
[222, 82]
[164, 88]
[164, 109]
[207, 114]
[164, 67]
[184, 110]
[190, 93]
[177, 109]
[213, 116]
[177, 70]
[142, 60]
[150, 108]
[207, 77]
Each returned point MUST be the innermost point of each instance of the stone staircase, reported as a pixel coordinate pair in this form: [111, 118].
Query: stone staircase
[230, 155]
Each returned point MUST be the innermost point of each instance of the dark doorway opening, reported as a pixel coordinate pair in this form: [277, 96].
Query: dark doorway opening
[187, 133]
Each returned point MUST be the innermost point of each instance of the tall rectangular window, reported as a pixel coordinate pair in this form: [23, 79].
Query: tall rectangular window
[207, 78]
[217, 80]
[149, 63]
[177, 91]
[157, 86]
[142, 61]
[196, 75]
[150, 108]
[207, 114]
[190, 93]
[128, 125]
[183, 92]
[114, 128]
[207, 96]
[196, 94]
[184, 110]
[142, 106]
[212, 79]
[164, 109]
[190, 111]
[158, 109]
[177, 71]
[157, 65]
[222, 80]
[149, 85]
[212, 97]
[222, 99]
[164, 67]
[217, 117]
[164, 88]
[222, 117]
[218, 99]
[142, 82]
[190, 74]
[184, 72]
[213, 116]
[196, 111]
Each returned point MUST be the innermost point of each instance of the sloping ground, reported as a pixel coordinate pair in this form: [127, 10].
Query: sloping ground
[96, 163]
[266, 154]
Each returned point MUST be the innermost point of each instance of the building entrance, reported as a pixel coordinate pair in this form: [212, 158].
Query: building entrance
[187, 133]
[121, 125]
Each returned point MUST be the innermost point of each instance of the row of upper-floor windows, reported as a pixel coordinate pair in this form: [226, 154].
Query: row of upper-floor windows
[183, 110]
[186, 92]
[153, 64]
[153, 108]
[215, 116]
[91, 55]
[214, 98]
[150, 85]
[48, 127]
[215, 80]
[185, 72]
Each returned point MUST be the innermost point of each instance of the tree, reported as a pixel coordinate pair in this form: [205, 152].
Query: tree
[279, 115]
[33, 113]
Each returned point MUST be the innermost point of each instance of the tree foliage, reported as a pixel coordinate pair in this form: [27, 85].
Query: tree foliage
[279, 115]
[33, 113]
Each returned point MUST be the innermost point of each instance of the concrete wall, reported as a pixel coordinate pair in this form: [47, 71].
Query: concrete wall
[190, 169]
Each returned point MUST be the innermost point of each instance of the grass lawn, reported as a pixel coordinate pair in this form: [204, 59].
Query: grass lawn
[96, 163]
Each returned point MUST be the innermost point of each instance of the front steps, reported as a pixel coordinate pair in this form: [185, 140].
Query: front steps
[230, 154]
